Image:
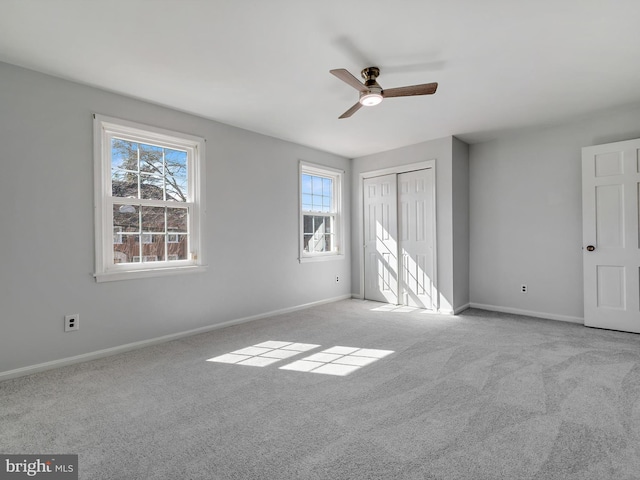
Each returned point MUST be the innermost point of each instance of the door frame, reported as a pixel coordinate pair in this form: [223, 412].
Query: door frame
[397, 170]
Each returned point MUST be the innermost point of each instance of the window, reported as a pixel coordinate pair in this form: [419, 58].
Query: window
[320, 208]
[148, 200]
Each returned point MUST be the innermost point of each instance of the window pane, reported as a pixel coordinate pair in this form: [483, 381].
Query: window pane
[306, 199]
[176, 175]
[117, 234]
[126, 251]
[151, 188]
[126, 218]
[326, 187]
[177, 220]
[318, 225]
[124, 184]
[307, 224]
[124, 155]
[316, 185]
[307, 243]
[124, 168]
[151, 159]
[306, 184]
[153, 219]
[328, 243]
[318, 243]
[328, 225]
[119, 257]
[152, 248]
[177, 247]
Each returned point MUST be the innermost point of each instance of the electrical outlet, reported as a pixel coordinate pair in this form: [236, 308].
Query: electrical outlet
[71, 322]
[524, 288]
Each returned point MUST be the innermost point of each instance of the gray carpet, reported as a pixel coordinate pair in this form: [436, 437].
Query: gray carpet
[477, 396]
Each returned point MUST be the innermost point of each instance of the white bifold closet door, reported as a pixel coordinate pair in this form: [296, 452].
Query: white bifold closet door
[416, 238]
[381, 239]
[399, 224]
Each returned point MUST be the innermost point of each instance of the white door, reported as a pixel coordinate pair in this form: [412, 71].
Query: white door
[380, 239]
[611, 235]
[416, 238]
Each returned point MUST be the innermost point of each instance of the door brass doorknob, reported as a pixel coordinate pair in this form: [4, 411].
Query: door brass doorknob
[590, 248]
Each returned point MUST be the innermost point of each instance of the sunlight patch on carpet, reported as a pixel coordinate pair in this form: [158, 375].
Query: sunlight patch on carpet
[264, 353]
[337, 360]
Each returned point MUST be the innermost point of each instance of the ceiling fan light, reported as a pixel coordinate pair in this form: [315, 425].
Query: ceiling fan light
[370, 99]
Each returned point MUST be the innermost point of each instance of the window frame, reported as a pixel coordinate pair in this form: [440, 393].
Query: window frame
[105, 129]
[337, 176]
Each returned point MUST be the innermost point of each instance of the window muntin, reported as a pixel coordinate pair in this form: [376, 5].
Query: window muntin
[149, 198]
[319, 211]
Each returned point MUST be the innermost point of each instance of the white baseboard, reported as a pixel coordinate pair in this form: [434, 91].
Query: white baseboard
[19, 372]
[461, 309]
[529, 313]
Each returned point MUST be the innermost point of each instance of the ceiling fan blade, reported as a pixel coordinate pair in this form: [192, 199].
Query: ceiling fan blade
[351, 111]
[424, 89]
[346, 77]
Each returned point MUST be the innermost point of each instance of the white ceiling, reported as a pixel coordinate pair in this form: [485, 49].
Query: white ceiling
[263, 65]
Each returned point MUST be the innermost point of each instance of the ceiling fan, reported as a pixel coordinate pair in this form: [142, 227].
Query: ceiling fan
[371, 93]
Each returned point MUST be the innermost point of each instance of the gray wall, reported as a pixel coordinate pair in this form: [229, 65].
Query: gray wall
[46, 225]
[526, 214]
[461, 235]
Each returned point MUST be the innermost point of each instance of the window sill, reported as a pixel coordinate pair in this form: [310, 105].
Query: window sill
[155, 272]
[321, 258]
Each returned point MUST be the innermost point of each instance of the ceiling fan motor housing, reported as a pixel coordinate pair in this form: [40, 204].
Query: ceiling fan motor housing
[370, 74]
